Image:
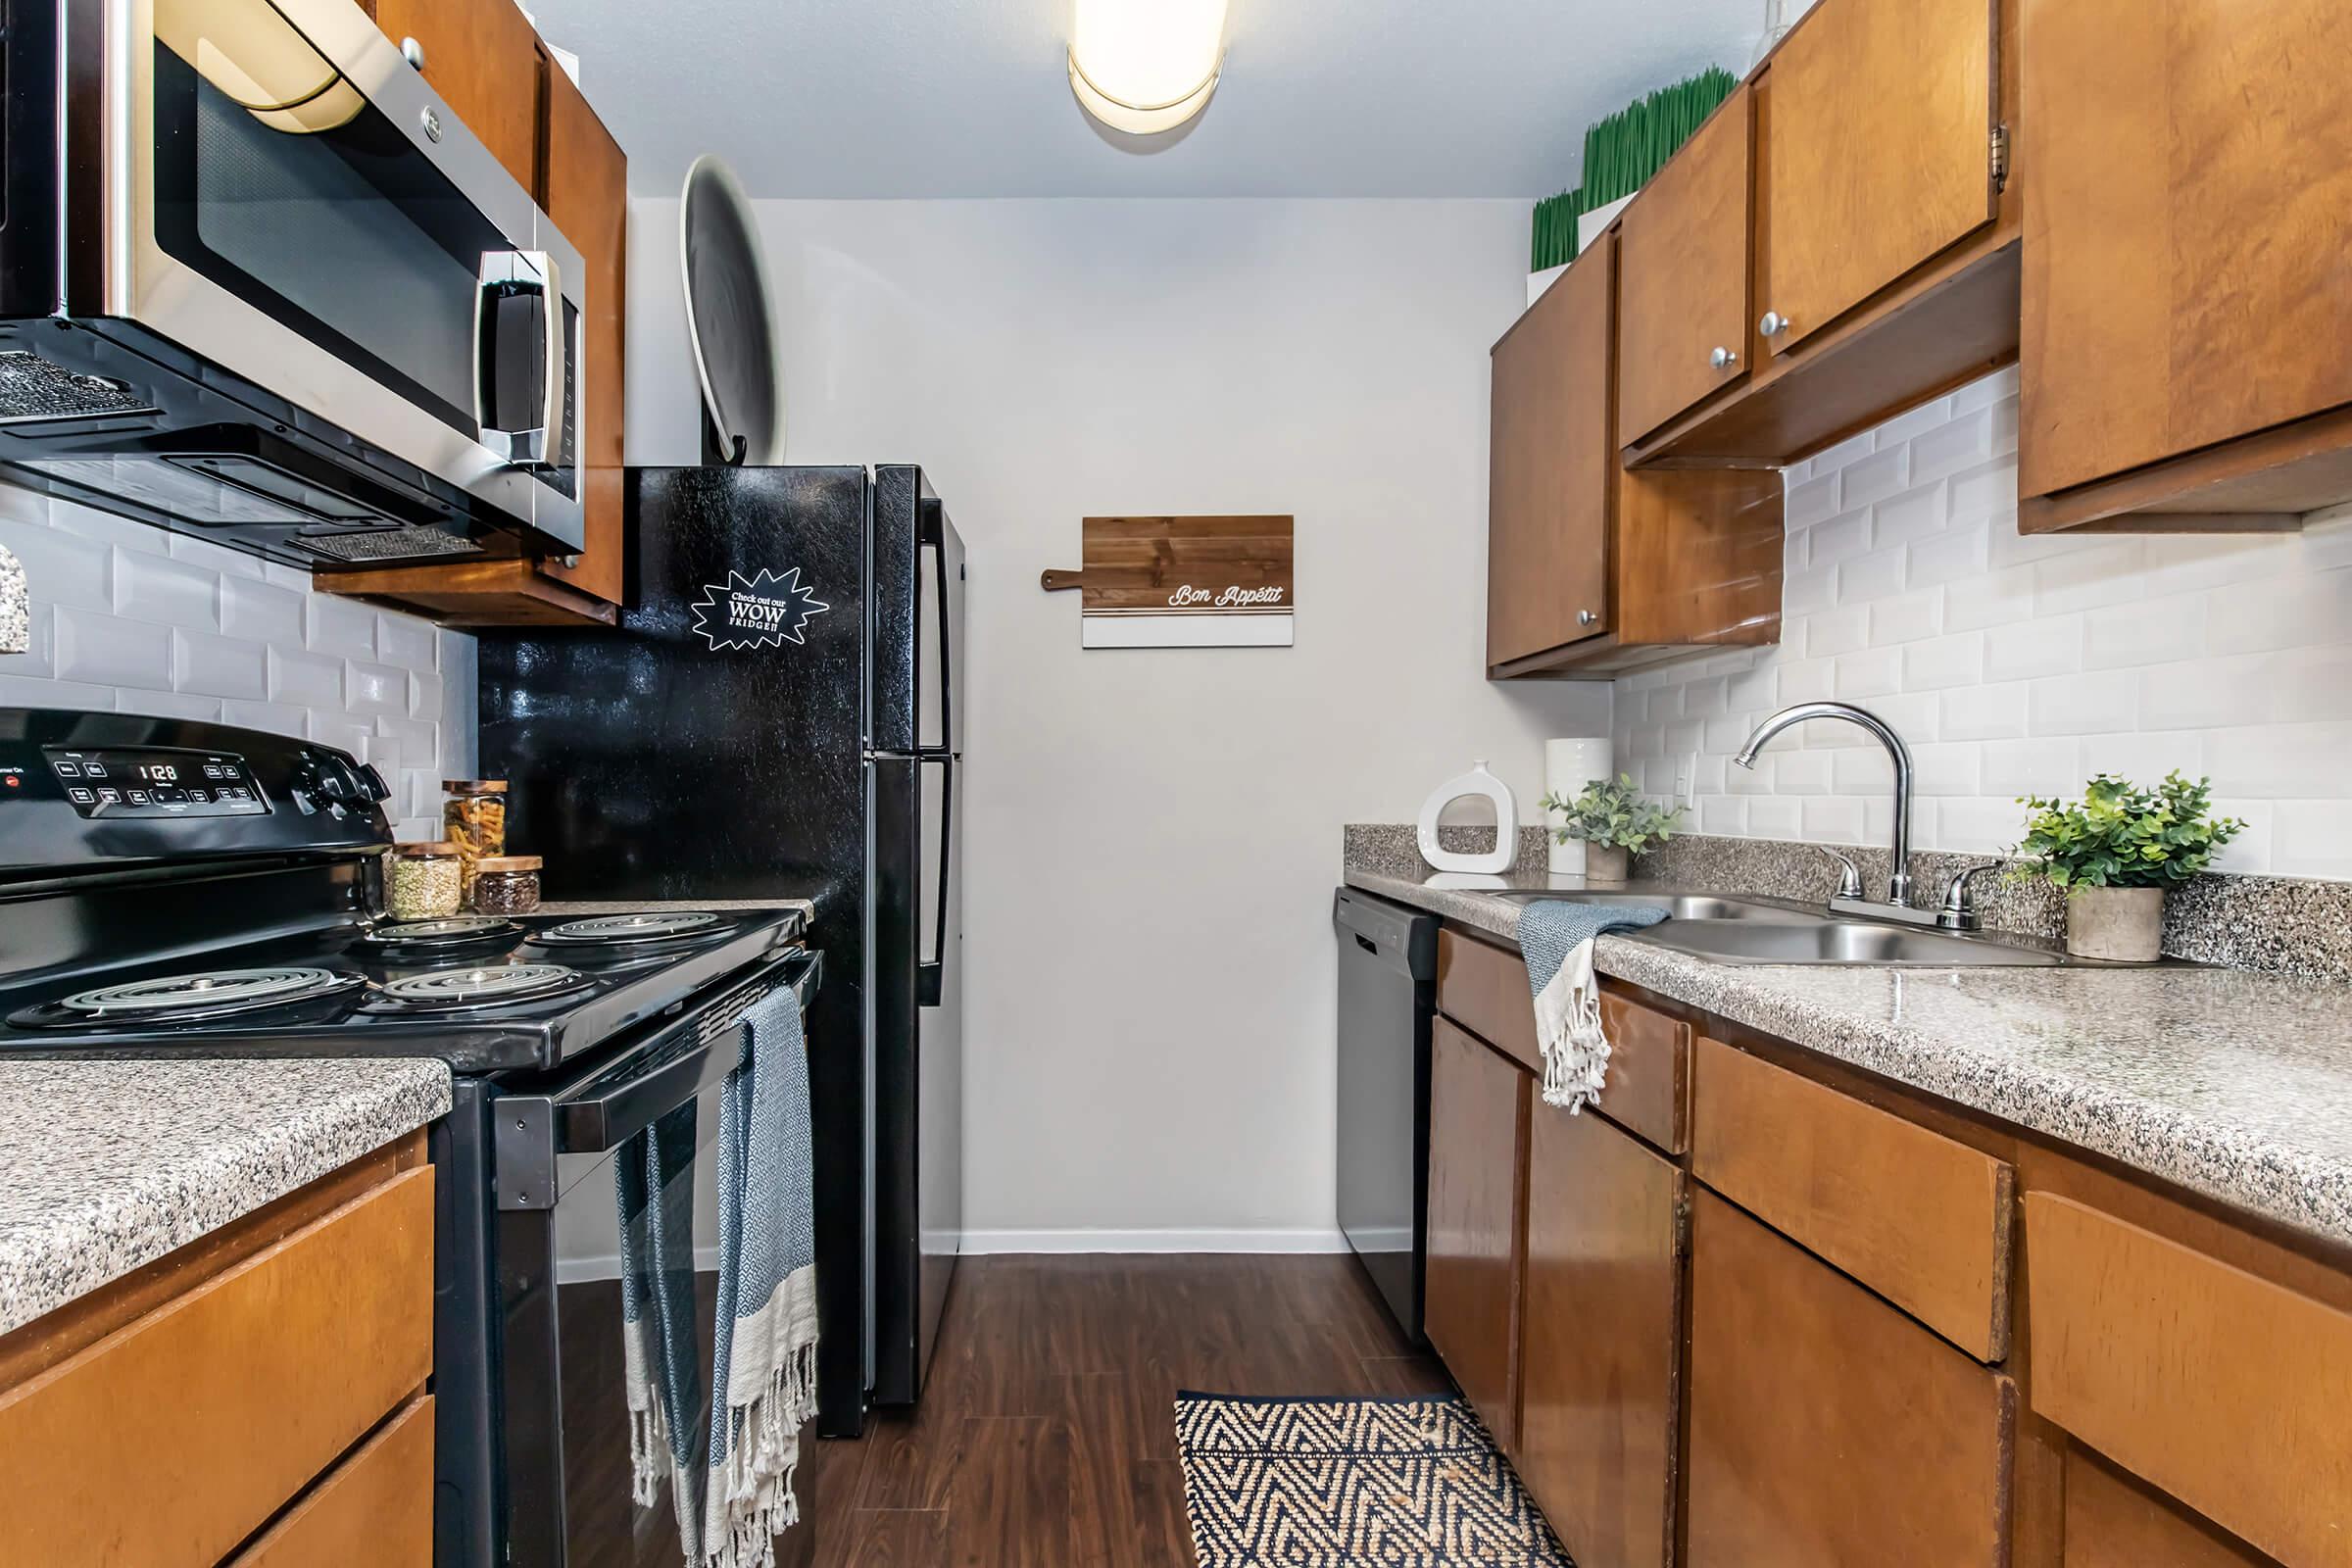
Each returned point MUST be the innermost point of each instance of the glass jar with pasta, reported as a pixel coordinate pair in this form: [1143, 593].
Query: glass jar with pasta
[475, 819]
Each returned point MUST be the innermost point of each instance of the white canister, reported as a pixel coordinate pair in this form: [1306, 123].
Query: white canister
[1483, 784]
[1570, 764]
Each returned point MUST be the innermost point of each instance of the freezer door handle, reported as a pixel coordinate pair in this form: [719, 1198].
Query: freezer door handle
[930, 975]
[933, 540]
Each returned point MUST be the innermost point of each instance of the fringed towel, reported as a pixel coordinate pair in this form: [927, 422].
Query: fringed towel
[729, 1450]
[764, 1368]
[1556, 937]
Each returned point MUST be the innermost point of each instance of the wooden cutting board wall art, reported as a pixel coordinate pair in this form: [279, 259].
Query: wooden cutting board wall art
[1183, 582]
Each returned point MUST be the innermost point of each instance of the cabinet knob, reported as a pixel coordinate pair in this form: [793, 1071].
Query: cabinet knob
[1723, 359]
[1772, 324]
[1585, 617]
[413, 52]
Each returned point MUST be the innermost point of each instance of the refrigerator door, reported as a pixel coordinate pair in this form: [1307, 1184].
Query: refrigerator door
[918, 1068]
[710, 746]
[918, 619]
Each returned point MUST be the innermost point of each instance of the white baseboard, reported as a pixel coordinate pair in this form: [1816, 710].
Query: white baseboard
[976, 1242]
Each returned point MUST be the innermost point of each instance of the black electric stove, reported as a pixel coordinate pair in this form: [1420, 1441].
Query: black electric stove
[176, 888]
[480, 993]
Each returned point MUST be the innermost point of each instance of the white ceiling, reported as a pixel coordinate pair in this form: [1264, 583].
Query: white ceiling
[945, 98]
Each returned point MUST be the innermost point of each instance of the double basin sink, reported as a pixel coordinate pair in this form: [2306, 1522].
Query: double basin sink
[1738, 930]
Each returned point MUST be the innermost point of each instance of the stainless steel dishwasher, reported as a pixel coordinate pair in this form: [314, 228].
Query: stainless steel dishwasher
[1388, 968]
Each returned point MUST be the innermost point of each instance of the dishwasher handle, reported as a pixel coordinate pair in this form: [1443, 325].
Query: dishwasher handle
[1402, 939]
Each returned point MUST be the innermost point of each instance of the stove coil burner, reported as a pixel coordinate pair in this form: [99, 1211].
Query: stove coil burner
[450, 931]
[490, 986]
[619, 930]
[209, 994]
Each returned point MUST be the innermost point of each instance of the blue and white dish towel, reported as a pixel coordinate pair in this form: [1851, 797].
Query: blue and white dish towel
[1556, 937]
[732, 1490]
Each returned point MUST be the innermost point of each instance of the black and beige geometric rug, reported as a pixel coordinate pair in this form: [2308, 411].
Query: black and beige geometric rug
[1412, 1483]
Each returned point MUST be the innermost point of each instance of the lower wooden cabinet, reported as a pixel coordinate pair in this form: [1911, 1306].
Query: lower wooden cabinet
[1600, 1377]
[1826, 1429]
[1478, 1125]
[259, 1390]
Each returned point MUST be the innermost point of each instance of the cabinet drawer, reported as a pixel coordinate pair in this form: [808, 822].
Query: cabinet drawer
[2222, 1389]
[2112, 1522]
[173, 1438]
[1484, 989]
[1917, 1217]
[374, 1510]
[1825, 1427]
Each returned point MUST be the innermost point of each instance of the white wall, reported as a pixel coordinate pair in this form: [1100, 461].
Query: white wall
[1155, 836]
[129, 618]
[2016, 666]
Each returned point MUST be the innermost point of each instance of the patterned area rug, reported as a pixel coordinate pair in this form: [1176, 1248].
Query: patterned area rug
[1353, 1484]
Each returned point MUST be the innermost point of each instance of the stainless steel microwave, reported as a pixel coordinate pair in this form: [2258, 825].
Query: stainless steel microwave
[258, 284]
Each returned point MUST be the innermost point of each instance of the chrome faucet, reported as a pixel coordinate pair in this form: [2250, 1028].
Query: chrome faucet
[1898, 882]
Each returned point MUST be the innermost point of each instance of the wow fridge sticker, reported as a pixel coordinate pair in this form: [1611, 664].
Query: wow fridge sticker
[764, 611]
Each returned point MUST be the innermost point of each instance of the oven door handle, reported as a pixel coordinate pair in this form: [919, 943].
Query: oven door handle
[596, 1112]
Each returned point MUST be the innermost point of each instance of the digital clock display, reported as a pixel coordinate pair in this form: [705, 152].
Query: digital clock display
[155, 782]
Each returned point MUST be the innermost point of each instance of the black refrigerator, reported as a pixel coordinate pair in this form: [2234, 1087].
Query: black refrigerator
[776, 714]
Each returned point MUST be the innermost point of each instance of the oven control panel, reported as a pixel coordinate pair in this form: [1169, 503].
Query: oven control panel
[155, 781]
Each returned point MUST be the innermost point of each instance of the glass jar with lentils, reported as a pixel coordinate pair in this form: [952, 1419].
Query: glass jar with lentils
[424, 881]
[475, 818]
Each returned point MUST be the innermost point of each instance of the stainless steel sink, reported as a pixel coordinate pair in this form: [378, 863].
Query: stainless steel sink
[1736, 930]
[1681, 905]
[1820, 940]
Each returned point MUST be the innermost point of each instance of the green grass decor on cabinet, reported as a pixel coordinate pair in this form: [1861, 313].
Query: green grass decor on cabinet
[1621, 153]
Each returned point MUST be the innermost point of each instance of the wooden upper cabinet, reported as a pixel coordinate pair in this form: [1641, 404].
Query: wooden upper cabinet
[1878, 151]
[1600, 1372]
[585, 189]
[1551, 465]
[482, 57]
[1825, 1427]
[2187, 171]
[1476, 1245]
[1683, 260]
[1592, 569]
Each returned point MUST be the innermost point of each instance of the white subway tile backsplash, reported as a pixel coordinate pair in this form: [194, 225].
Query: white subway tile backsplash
[1987, 713]
[109, 651]
[2017, 664]
[369, 690]
[404, 640]
[1870, 480]
[1941, 662]
[2142, 632]
[130, 617]
[1811, 501]
[339, 627]
[155, 587]
[170, 705]
[260, 612]
[2048, 647]
[219, 667]
[2083, 704]
[66, 569]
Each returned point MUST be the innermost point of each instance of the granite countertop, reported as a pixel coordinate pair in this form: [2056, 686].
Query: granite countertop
[2229, 1083]
[105, 1166]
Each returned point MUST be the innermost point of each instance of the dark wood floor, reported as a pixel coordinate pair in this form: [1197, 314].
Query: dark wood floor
[1044, 1439]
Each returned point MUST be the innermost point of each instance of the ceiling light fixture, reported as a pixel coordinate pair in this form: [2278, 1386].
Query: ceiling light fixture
[1145, 65]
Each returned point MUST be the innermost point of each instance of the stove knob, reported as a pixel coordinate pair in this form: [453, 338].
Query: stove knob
[334, 785]
[372, 781]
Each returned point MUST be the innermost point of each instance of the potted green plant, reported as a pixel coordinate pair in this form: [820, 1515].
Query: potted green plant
[1615, 823]
[2116, 851]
